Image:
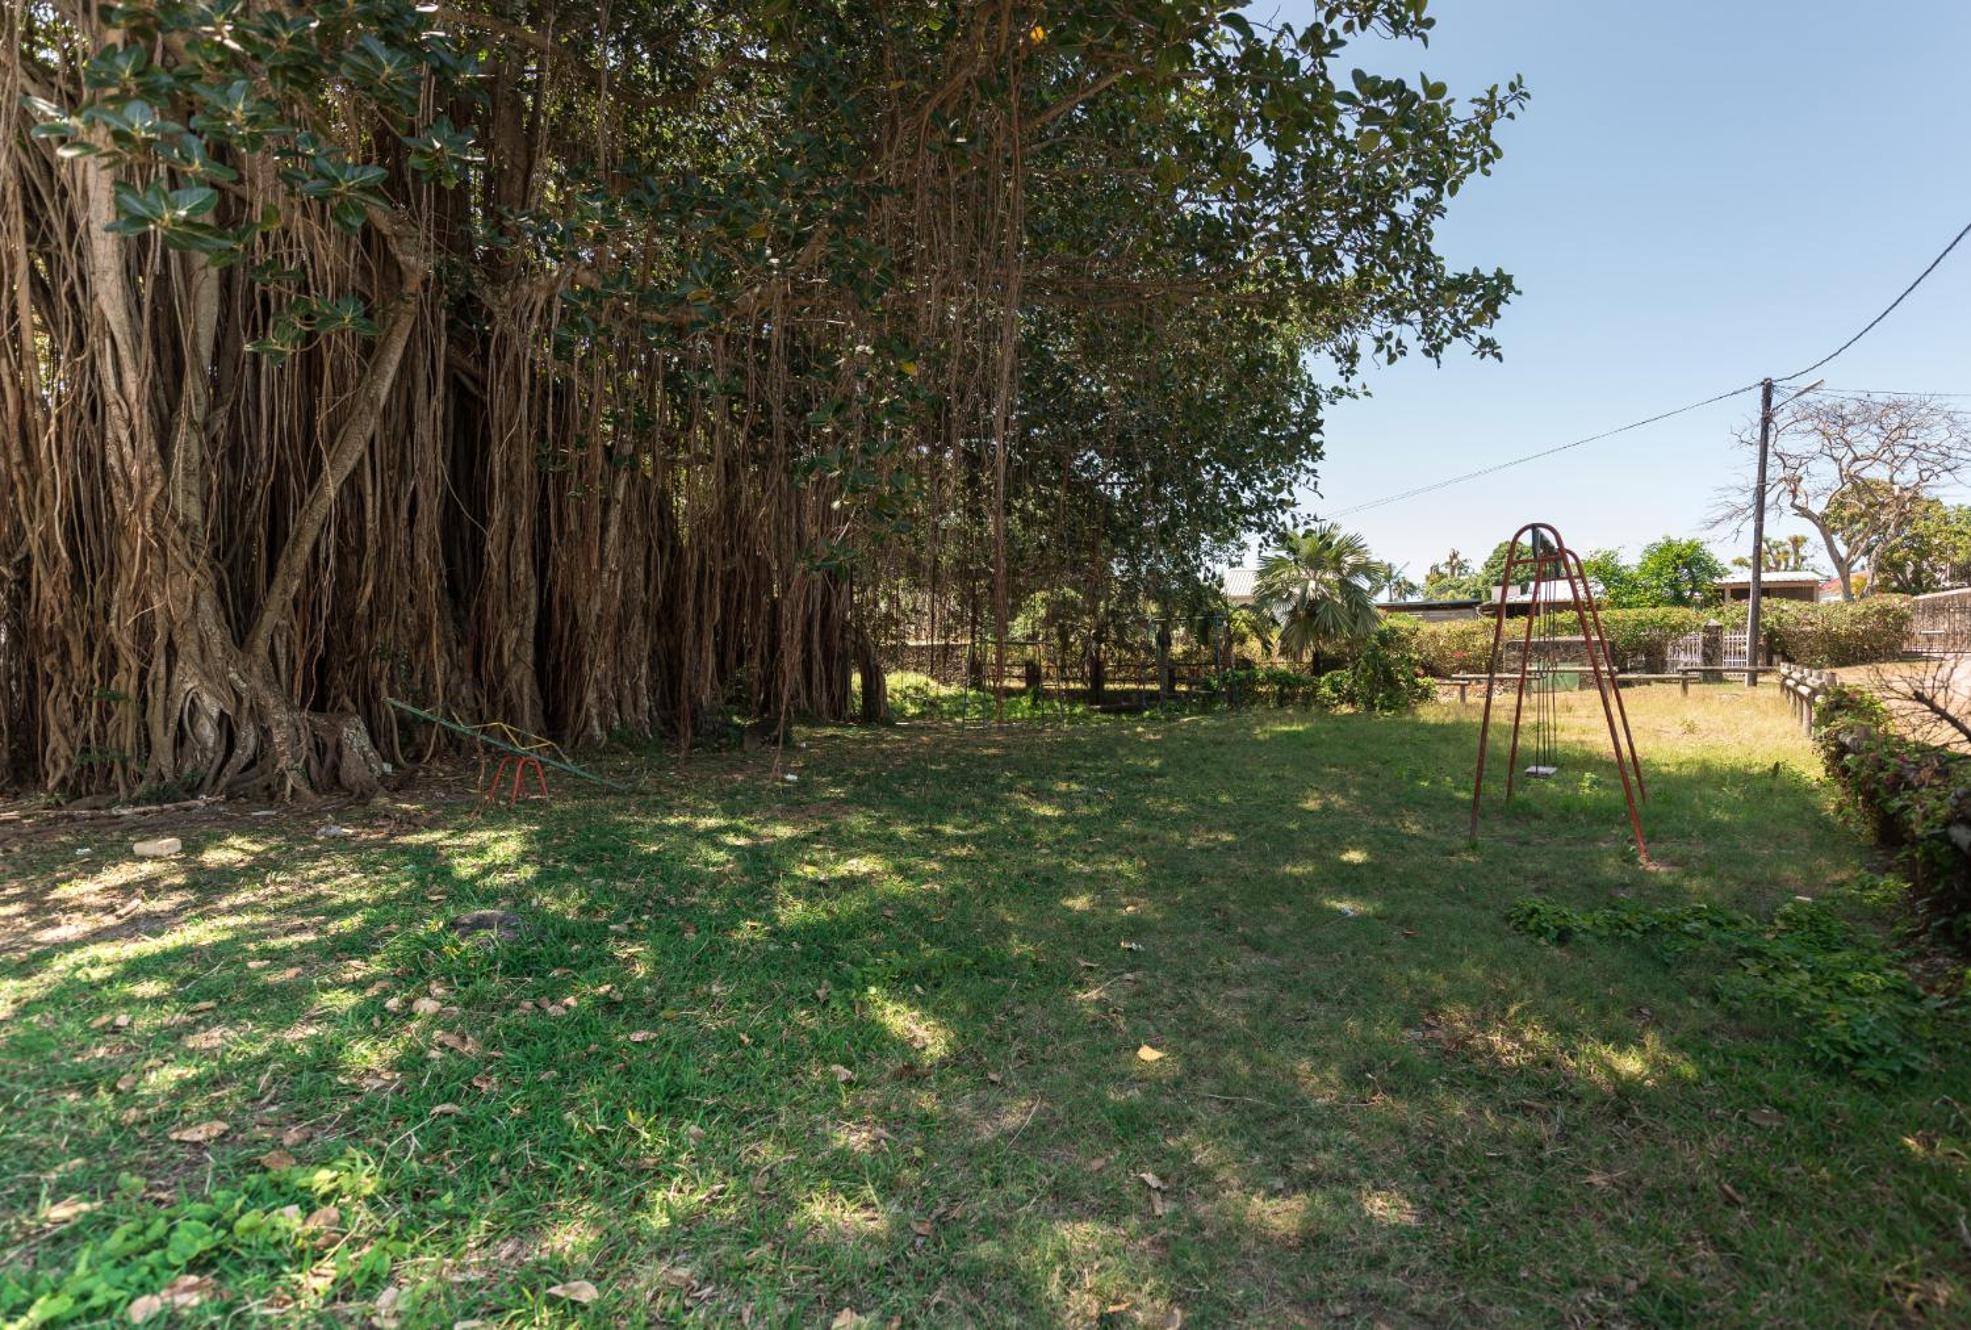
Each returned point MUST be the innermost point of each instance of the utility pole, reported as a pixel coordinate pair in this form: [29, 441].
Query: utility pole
[1758, 538]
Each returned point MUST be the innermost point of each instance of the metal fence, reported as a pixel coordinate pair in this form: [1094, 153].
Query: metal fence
[1940, 623]
[1687, 652]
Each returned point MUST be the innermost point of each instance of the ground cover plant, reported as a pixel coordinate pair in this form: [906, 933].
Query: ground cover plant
[1211, 1021]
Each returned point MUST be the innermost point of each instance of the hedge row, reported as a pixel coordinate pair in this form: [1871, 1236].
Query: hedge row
[1915, 797]
[1637, 638]
[1824, 635]
[1833, 633]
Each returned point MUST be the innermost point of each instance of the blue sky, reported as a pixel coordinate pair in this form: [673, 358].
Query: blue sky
[1701, 193]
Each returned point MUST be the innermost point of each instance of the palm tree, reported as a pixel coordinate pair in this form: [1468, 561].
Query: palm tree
[1318, 586]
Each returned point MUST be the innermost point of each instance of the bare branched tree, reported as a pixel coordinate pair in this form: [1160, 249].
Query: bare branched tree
[1857, 471]
[1933, 702]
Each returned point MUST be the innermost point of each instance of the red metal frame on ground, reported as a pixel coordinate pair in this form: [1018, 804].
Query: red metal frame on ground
[1551, 554]
[521, 766]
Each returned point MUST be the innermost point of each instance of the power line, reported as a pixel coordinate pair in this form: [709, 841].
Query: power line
[1545, 452]
[1869, 327]
[1866, 329]
[1884, 392]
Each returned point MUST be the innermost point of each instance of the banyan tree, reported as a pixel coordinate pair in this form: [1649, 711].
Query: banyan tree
[596, 366]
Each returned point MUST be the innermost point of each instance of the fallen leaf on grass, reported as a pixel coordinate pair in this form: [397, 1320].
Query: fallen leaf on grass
[127, 1082]
[1130, 946]
[201, 1133]
[118, 1020]
[294, 1136]
[446, 1111]
[923, 1228]
[184, 1291]
[642, 1036]
[73, 1208]
[848, 1319]
[1767, 1117]
[425, 1006]
[327, 1218]
[277, 1159]
[576, 1290]
[841, 1074]
[1148, 1054]
[1156, 1185]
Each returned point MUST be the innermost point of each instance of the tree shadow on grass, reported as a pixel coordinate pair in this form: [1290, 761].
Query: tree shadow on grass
[1045, 1027]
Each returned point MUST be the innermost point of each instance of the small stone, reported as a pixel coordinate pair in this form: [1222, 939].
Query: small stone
[161, 847]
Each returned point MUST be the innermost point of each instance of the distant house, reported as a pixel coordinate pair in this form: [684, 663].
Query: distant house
[1777, 586]
[1237, 585]
[1556, 594]
[1431, 611]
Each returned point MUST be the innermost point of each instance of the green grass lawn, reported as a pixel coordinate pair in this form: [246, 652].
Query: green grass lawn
[1212, 1022]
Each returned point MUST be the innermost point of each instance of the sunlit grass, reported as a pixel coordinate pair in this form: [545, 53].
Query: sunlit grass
[873, 1041]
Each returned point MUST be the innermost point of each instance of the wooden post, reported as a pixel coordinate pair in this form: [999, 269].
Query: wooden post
[1711, 650]
[1752, 595]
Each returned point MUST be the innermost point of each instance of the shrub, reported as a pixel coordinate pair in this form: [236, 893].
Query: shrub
[1847, 996]
[1458, 646]
[1249, 685]
[1387, 675]
[1335, 689]
[1638, 639]
[1284, 687]
[1829, 634]
[1915, 799]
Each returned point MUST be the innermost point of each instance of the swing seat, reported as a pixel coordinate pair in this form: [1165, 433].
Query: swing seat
[1541, 772]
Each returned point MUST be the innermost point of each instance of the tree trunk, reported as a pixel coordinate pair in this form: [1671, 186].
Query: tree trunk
[869, 672]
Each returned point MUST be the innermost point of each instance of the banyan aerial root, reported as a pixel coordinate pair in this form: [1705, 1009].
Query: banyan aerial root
[599, 372]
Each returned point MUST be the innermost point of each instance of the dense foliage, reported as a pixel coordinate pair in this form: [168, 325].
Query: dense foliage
[1670, 571]
[1830, 634]
[1915, 798]
[1387, 674]
[1637, 638]
[1932, 554]
[589, 368]
[1847, 996]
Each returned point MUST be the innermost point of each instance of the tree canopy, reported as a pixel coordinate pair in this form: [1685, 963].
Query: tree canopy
[594, 368]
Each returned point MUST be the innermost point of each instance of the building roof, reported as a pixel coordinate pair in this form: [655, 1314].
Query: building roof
[1554, 592]
[1238, 583]
[1770, 579]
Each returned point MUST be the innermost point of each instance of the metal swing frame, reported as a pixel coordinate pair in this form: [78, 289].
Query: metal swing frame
[1551, 554]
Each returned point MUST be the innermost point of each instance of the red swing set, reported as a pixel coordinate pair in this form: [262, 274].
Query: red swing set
[1558, 582]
